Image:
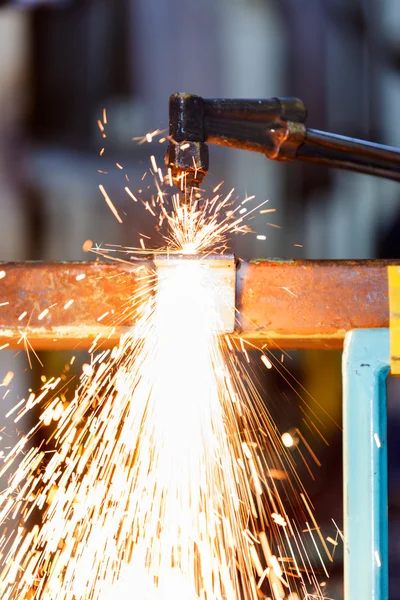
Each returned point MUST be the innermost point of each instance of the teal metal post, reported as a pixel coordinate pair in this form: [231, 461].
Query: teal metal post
[366, 360]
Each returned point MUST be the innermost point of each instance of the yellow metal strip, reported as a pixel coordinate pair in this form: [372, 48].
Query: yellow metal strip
[394, 312]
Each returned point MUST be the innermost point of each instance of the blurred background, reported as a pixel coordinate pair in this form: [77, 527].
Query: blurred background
[63, 61]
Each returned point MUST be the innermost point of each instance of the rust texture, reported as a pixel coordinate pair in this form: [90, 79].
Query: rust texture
[95, 288]
[288, 304]
[295, 304]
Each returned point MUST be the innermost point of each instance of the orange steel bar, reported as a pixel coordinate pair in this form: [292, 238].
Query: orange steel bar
[287, 304]
[311, 303]
[96, 288]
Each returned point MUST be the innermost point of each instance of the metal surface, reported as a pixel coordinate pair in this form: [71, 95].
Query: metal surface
[218, 274]
[295, 304]
[288, 304]
[274, 127]
[366, 360]
[95, 288]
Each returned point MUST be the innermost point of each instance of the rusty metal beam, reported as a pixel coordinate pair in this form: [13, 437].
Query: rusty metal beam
[288, 304]
[95, 288]
[311, 304]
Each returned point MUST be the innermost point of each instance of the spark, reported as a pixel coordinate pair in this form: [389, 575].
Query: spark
[377, 440]
[287, 440]
[2, 274]
[128, 191]
[279, 519]
[153, 163]
[168, 469]
[110, 204]
[266, 361]
[331, 541]
[148, 207]
[289, 291]
[302, 496]
[317, 549]
[43, 314]
[378, 559]
[8, 378]
[103, 315]
[109, 507]
[87, 370]
[217, 187]
[338, 530]
[87, 245]
[307, 445]
[80, 277]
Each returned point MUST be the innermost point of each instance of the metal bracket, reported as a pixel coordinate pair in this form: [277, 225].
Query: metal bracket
[366, 360]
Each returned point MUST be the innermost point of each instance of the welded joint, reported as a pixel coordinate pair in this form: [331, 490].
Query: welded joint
[218, 274]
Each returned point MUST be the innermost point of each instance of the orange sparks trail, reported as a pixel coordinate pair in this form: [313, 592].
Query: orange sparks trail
[110, 204]
[169, 478]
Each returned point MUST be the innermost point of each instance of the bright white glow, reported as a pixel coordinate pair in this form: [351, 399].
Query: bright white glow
[287, 440]
[168, 480]
[189, 248]
[145, 496]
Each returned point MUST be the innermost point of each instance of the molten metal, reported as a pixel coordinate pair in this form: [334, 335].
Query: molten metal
[218, 274]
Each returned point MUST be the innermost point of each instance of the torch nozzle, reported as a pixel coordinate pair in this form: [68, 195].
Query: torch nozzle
[187, 152]
[188, 162]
